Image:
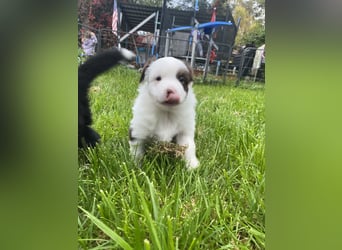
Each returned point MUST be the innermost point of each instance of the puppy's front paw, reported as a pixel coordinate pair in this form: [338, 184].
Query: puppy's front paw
[192, 163]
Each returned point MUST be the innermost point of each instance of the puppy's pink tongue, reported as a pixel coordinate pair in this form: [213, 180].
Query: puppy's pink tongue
[172, 97]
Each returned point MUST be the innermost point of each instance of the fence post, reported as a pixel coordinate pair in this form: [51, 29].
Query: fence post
[207, 58]
[194, 44]
[99, 44]
[227, 64]
[167, 44]
[242, 61]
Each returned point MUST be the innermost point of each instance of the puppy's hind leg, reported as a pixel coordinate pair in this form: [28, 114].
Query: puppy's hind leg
[137, 151]
[136, 148]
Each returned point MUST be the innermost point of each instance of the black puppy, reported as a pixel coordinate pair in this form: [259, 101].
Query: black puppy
[87, 72]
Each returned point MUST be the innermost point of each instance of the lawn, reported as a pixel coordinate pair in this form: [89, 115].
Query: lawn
[220, 205]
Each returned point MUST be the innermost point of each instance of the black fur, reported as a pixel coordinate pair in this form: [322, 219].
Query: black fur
[87, 72]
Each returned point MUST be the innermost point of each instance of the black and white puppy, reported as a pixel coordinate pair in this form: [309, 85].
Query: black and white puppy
[165, 108]
[87, 72]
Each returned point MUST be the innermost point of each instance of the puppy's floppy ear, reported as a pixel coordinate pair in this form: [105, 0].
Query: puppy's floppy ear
[190, 70]
[147, 64]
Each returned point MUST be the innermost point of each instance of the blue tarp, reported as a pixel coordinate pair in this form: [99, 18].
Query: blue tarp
[202, 26]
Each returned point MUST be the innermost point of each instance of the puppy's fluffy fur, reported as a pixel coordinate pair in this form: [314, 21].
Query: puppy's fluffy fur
[165, 108]
[87, 72]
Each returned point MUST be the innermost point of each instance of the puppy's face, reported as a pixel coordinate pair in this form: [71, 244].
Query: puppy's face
[168, 80]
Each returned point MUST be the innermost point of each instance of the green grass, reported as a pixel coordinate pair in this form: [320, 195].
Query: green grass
[162, 205]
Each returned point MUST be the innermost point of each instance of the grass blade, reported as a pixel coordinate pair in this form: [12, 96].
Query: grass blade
[108, 231]
[147, 214]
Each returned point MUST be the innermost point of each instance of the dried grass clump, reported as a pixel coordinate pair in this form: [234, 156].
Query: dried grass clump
[166, 148]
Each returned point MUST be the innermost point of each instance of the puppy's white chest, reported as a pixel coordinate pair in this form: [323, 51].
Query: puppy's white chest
[166, 128]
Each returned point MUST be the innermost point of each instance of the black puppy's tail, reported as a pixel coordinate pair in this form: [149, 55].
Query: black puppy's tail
[87, 72]
[98, 64]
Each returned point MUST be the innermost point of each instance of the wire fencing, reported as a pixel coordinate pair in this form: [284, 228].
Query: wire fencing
[210, 59]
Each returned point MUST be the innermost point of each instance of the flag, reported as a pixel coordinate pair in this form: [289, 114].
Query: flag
[209, 31]
[213, 19]
[213, 15]
[196, 5]
[115, 18]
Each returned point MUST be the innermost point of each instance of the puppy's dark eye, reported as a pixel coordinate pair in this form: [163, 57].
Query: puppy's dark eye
[182, 79]
[158, 78]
